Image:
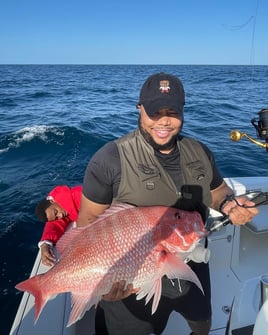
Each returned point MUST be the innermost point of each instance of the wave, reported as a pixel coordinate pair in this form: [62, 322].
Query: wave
[39, 157]
[45, 138]
[42, 133]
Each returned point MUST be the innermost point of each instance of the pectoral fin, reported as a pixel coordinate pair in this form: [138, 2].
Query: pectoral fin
[174, 268]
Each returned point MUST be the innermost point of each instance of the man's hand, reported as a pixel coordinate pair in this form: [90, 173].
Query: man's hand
[239, 213]
[119, 292]
[47, 255]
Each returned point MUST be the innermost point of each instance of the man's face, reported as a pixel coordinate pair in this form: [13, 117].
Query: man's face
[55, 211]
[160, 130]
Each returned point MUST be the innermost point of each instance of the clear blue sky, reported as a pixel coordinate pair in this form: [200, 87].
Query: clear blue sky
[134, 32]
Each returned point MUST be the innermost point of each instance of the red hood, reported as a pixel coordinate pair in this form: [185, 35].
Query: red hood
[68, 198]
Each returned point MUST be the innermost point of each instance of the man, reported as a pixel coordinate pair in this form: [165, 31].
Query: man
[154, 165]
[58, 210]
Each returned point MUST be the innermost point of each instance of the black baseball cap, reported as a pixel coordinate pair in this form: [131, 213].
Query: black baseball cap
[162, 90]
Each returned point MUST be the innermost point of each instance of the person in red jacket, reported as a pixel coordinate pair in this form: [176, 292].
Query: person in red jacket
[58, 210]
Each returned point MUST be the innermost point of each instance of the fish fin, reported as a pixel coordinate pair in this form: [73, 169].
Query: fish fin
[32, 285]
[148, 289]
[81, 302]
[175, 268]
[152, 288]
[157, 294]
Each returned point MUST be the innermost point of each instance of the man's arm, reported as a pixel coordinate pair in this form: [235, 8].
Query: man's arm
[219, 194]
[52, 232]
[89, 211]
[237, 213]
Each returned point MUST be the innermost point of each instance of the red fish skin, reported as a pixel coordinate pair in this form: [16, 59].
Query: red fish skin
[126, 243]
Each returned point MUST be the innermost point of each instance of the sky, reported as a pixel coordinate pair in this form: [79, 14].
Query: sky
[231, 32]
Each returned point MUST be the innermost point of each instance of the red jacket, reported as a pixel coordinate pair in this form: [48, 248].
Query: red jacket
[69, 199]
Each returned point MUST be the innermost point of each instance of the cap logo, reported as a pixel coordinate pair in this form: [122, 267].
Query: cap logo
[164, 86]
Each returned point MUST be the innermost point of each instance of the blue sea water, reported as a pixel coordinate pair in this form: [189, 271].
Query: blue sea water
[54, 117]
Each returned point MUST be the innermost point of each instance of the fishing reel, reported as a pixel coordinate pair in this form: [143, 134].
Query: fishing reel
[261, 126]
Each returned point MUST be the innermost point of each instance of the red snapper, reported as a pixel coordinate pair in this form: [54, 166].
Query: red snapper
[136, 244]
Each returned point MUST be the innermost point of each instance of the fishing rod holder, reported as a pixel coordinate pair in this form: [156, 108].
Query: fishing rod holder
[261, 126]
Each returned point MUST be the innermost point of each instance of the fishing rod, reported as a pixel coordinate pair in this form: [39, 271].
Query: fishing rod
[258, 197]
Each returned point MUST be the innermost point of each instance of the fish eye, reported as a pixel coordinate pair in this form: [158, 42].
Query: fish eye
[177, 215]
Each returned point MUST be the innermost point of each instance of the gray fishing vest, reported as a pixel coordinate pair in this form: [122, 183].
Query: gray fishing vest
[144, 182]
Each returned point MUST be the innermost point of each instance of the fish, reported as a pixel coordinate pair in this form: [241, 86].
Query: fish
[137, 244]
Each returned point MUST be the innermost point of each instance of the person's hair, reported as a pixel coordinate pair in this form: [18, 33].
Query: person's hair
[40, 210]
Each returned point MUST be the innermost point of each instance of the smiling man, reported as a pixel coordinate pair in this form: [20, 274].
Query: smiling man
[151, 166]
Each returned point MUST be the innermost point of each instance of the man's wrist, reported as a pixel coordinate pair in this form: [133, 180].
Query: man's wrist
[47, 242]
[228, 198]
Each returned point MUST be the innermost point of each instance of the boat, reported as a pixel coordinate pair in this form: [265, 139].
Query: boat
[238, 266]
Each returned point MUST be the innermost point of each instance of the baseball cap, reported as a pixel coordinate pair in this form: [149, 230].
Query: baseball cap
[162, 90]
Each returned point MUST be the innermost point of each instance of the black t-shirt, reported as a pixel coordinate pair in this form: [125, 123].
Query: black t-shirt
[103, 173]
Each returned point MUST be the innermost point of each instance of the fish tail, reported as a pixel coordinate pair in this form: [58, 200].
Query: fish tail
[33, 286]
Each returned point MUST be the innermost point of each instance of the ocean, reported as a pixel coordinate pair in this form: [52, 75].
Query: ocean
[54, 117]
